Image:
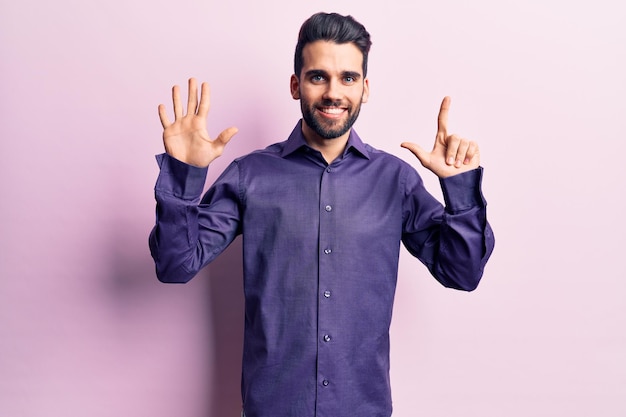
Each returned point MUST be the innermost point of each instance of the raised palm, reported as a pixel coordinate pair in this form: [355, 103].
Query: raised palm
[187, 138]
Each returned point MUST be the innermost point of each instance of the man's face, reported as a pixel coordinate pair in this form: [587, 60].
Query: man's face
[331, 88]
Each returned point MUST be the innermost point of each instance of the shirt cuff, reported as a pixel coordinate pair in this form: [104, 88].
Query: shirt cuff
[463, 191]
[180, 179]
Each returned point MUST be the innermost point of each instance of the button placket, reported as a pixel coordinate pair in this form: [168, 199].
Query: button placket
[327, 272]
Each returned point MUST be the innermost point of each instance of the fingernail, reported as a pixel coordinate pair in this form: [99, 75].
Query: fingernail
[451, 161]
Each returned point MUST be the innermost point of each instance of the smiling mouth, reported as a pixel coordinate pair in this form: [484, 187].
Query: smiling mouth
[331, 111]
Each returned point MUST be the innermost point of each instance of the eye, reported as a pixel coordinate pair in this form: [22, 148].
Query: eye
[317, 78]
[350, 78]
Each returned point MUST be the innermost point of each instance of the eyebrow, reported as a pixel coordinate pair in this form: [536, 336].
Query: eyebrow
[311, 73]
[353, 74]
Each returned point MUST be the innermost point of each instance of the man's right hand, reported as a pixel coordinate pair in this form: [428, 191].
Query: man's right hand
[187, 138]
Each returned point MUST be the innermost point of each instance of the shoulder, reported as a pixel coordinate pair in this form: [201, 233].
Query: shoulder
[388, 159]
[272, 151]
[388, 166]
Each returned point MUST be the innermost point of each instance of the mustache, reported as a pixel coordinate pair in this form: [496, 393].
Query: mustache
[331, 103]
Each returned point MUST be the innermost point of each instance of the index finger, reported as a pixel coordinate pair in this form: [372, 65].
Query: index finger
[442, 119]
[205, 94]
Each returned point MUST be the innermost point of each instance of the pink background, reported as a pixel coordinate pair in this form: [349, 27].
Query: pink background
[86, 329]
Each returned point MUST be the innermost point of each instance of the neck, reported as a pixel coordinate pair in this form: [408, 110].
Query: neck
[329, 148]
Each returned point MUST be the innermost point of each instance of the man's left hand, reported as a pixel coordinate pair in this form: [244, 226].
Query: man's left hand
[451, 154]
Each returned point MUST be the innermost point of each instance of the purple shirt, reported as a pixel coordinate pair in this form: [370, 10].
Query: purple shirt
[320, 251]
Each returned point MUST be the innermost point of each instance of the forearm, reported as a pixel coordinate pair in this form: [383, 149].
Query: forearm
[465, 244]
[187, 235]
[457, 244]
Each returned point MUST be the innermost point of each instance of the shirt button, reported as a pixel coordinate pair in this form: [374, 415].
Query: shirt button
[327, 251]
[328, 208]
[326, 338]
[325, 382]
[328, 169]
[327, 294]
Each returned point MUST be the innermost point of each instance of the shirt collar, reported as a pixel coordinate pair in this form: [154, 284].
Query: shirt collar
[296, 141]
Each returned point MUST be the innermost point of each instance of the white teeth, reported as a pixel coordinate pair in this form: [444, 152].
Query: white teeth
[332, 110]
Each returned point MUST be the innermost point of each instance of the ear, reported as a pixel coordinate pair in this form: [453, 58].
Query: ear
[366, 90]
[294, 84]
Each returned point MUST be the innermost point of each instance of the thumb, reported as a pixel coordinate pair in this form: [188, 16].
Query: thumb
[226, 135]
[421, 154]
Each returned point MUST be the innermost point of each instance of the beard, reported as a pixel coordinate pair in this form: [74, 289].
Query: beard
[328, 129]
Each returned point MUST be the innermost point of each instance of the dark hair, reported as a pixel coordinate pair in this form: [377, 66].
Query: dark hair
[335, 28]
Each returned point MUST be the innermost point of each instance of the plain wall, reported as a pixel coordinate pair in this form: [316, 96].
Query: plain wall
[87, 330]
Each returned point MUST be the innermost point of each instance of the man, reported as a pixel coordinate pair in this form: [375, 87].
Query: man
[322, 216]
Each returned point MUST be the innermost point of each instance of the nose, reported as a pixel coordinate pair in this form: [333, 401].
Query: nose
[333, 90]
